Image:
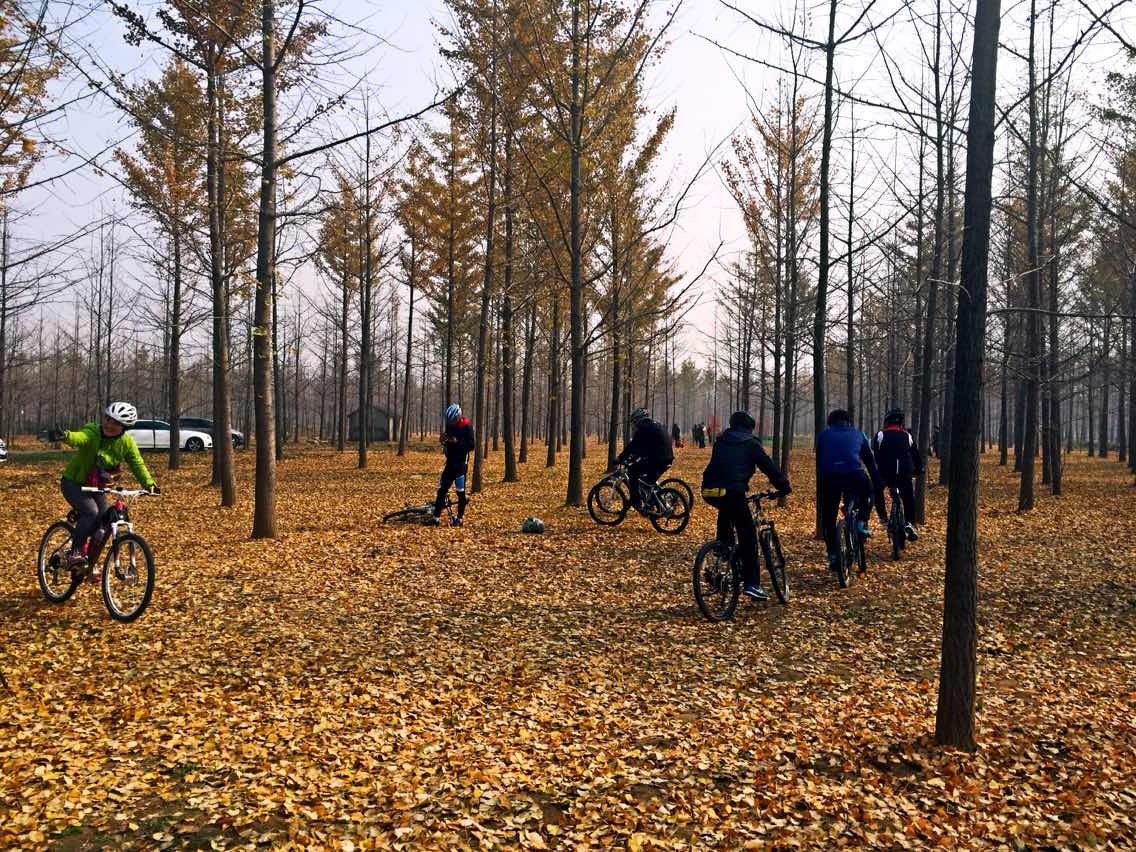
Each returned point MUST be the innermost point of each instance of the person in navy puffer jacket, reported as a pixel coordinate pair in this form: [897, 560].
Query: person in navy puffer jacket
[845, 467]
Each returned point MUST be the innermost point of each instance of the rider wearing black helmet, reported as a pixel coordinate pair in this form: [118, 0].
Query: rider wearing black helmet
[898, 460]
[651, 449]
[736, 454]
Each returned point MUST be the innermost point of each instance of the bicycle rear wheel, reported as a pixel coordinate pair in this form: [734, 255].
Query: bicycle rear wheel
[128, 577]
[896, 530]
[56, 580]
[844, 564]
[675, 513]
[775, 563]
[717, 581]
[608, 502]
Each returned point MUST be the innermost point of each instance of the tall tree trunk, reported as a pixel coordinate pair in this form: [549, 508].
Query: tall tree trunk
[175, 353]
[850, 344]
[526, 380]
[1106, 387]
[928, 359]
[575, 491]
[264, 513]
[404, 427]
[508, 342]
[365, 307]
[223, 472]
[820, 318]
[553, 381]
[481, 403]
[1033, 288]
[954, 725]
[1054, 360]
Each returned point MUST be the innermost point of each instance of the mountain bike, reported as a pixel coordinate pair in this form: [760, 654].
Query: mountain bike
[667, 507]
[851, 545]
[422, 513]
[717, 572]
[897, 524]
[127, 569]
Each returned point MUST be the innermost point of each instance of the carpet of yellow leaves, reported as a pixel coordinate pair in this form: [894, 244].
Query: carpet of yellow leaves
[354, 685]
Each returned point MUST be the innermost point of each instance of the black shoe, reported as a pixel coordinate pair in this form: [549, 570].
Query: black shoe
[456, 522]
[434, 521]
[912, 535]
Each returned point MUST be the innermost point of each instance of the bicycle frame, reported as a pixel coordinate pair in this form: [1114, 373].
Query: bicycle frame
[648, 491]
[115, 518]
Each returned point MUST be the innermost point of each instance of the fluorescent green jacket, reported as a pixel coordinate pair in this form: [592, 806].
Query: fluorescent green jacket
[93, 449]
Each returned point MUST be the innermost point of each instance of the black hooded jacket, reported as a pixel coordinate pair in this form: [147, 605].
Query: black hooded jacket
[651, 443]
[737, 453]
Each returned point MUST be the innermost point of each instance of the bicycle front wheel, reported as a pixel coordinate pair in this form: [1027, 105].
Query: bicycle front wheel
[56, 580]
[775, 562]
[674, 514]
[608, 502]
[717, 582]
[128, 577]
[681, 485]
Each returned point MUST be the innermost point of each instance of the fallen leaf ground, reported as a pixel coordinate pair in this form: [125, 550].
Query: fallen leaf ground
[353, 684]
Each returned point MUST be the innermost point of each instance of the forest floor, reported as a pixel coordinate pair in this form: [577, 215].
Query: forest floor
[352, 684]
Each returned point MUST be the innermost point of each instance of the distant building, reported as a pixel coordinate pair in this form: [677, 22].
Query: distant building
[380, 424]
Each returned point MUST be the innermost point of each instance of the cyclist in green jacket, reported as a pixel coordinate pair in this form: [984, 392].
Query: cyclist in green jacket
[100, 449]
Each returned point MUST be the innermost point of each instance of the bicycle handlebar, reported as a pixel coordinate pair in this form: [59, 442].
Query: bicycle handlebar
[765, 495]
[121, 492]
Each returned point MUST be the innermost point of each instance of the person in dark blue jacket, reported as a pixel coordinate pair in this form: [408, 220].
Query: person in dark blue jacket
[845, 467]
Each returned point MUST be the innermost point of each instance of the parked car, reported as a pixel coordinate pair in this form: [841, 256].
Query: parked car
[204, 424]
[155, 435]
[3, 450]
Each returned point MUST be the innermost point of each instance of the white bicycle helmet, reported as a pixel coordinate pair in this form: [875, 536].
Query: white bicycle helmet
[453, 412]
[122, 413]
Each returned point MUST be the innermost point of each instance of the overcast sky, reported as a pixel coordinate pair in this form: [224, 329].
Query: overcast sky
[707, 85]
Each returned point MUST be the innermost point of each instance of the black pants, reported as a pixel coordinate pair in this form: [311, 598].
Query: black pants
[649, 472]
[906, 495]
[734, 517]
[452, 474]
[89, 506]
[856, 488]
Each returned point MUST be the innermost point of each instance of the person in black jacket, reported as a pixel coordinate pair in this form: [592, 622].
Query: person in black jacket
[898, 459]
[457, 442]
[649, 452]
[737, 453]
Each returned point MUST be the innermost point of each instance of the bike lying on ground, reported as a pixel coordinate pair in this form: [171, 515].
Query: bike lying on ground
[851, 546]
[419, 513]
[665, 504]
[718, 566]
[127, 569]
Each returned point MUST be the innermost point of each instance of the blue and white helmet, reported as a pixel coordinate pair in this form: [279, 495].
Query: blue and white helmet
[453, 412]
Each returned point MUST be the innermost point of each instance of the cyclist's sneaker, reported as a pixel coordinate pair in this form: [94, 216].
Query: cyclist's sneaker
[433, 521]
[456, 522]
[863, 529]
[755, 592]
[912, 535]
